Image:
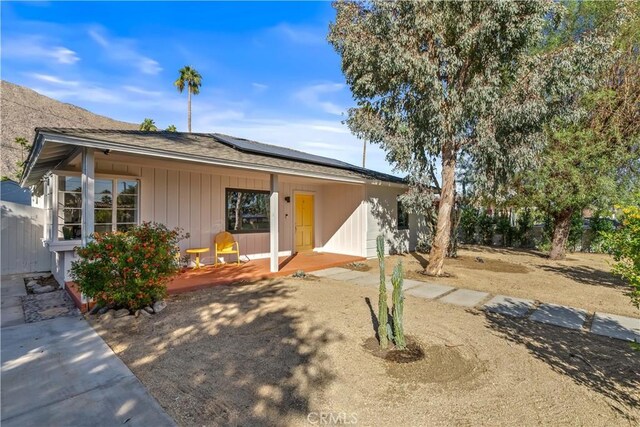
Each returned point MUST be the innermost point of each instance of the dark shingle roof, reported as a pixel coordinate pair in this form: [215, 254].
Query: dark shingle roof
[211, 147]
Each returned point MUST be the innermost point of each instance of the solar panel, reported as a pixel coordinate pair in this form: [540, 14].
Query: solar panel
[287, 153]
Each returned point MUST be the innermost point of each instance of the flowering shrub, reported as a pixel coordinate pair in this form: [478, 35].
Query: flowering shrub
[130, 269]
[624, 245]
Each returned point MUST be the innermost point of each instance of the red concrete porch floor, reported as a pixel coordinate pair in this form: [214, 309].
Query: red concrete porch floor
[209, 276]
[226, 274]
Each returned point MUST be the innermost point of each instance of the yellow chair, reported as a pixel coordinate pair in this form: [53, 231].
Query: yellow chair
[224, 244]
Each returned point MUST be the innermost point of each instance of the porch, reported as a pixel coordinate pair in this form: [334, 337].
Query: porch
[257, 269]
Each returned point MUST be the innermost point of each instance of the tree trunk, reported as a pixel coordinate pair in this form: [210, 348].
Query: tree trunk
[561, 228]
[189, 108]
[364, 152]
[443, 228]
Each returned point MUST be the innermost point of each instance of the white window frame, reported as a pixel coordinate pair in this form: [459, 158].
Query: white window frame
[55, 239]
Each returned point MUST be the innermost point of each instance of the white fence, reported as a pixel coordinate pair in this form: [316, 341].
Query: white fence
[22, 250]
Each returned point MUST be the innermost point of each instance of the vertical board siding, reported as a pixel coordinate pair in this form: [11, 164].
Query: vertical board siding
[194, 200]
[22, 232]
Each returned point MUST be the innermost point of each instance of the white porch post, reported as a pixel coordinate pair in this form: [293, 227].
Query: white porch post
[273, 223]
[88, 194]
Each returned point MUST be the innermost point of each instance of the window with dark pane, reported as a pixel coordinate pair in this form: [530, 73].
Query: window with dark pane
[69, 208]
[403, 217]
[247, 211]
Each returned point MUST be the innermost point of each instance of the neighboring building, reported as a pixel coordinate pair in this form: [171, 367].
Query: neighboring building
[10, 191]
[275, 200]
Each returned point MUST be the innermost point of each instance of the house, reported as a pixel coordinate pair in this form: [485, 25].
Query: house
[276, 201]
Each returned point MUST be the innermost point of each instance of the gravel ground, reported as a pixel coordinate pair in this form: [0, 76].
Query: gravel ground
[582, 280]
[291, 351]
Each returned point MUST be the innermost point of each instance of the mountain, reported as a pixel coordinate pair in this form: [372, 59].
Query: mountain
[23, 109]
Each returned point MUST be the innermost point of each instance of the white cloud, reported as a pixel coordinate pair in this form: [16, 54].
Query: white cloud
[38, 48]
[311, 97]
[123, 50]
[54, 80]
[259, 87]
[141, 91]
[300, 34]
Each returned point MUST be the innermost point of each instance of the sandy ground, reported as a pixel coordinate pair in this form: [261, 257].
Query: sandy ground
[582, 280]
[290, 351]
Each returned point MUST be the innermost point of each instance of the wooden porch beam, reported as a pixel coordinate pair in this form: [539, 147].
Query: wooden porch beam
[88, 193]
[273, 223]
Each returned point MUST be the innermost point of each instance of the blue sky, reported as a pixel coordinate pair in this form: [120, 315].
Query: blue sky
[268, 72]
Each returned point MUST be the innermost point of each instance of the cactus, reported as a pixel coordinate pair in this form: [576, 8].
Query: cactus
[382, 297]
[398, 306]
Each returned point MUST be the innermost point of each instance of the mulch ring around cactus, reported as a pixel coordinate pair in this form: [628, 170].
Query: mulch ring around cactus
[412, 353]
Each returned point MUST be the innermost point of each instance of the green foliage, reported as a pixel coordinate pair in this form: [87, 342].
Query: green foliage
[171, 128]
[190, 78]
[576, 231]
[130, 269]
[24, 149]
[382, 296]
[503, 227]
[486, 228]
[148, 125]
[397, 279]
[624, 245]
[523, 227]
[468, 222]
[599, 226]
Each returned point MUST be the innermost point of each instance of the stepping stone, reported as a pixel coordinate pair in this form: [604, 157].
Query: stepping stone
[613, 326]
[464, 297]
[328, 271]
[348, 275]
[368, 280]
[509, 306]
[410, 284]
[559, 315]
[428, 290]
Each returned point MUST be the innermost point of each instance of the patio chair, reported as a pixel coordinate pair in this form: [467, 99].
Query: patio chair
[224, 244]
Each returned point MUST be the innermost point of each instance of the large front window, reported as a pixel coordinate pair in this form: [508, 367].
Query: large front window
[111, 213]
[247, 211]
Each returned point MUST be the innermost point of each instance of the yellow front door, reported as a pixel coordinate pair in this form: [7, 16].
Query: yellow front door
[304, 222]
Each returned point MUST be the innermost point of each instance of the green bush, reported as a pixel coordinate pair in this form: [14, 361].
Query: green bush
[485, 227]
[624, 245]
[503, 227]
[524, 227]
[576, 231]
[130, 269]
[599, 227]
[468, 224]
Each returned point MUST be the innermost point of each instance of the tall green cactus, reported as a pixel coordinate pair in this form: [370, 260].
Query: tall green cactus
[382, 296]
[398, 306]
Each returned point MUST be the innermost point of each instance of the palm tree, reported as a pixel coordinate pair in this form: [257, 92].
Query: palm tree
[171, 128]
[190, 78]
[148, 125]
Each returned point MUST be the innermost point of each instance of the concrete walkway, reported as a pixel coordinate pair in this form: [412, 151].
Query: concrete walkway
[609, 325]
[59, 372]
[12, 289]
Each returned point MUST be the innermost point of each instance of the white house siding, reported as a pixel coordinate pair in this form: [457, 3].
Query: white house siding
[382, 218]
[344, 219]
[192, 197]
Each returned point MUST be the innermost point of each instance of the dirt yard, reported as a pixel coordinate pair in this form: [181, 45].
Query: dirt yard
[291, 351]
[582, 280]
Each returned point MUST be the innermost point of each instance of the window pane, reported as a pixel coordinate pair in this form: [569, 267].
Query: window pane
[103, 216]
[69, 183]
[127, 216]
[70, 232]
[71, 200]
[126, 201]
[247, 211]
[103, 228]
[127, 186]
[70, 216]
[103, 190]
[125, 227]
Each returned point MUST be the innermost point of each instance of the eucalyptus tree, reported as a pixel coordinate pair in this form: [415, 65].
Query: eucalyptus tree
[435, 79]
[191, 79]
[591, 157]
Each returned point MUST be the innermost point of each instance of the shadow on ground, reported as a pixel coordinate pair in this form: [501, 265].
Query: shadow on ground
[586, 275]
[607, 366]
[240, 355]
